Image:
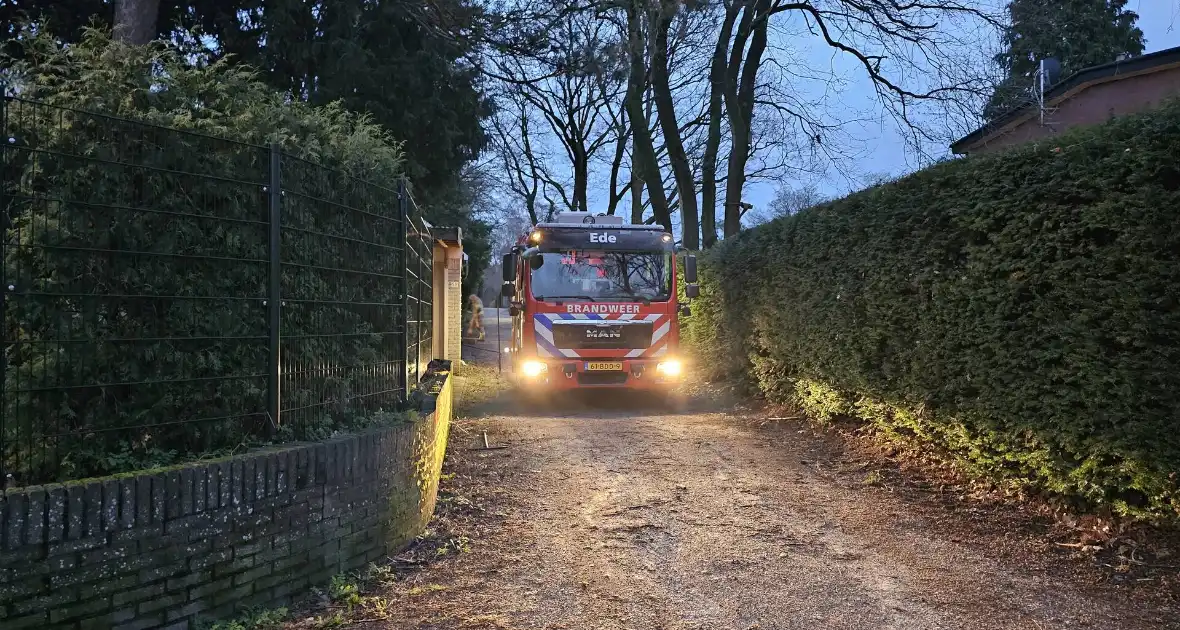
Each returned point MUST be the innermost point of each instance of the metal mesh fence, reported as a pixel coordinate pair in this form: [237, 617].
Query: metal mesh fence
[168, 294]
[420, 309]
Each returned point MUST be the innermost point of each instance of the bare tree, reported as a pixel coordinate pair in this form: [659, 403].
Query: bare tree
[575, 99]
[526, 178]
[621, 130]
[581, 91]
[872, 180]
[674, 144]
[644, 159]
[708, 82]
[788, 201]
[663, 47]
[678, 34]
[896, 44]
[718, 70]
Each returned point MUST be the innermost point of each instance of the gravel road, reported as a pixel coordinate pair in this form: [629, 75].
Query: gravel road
[609, 516]
[607, 521]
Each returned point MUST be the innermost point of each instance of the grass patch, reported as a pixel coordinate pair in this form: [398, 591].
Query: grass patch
[476, 386]
[260, 619]
[427, 588]
[354, 597]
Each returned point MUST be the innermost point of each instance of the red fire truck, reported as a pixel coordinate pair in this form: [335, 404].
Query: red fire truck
[594, 305]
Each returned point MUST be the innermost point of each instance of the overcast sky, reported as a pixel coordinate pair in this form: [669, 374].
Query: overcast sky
[883, 150]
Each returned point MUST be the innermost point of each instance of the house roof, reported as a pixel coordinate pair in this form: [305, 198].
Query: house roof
[1071, 85]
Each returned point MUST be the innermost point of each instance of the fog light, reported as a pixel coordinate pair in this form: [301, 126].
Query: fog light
[669, 368]
[533, 369]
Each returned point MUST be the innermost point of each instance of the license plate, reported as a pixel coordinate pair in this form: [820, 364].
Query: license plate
[610, 366]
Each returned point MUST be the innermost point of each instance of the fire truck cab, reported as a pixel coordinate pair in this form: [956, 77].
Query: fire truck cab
[594, 305]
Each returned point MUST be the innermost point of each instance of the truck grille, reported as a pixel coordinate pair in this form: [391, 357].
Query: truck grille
[602, 378]
[598, 335]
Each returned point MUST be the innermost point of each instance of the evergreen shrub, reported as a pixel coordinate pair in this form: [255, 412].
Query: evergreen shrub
[1017, 311]
[137, 252]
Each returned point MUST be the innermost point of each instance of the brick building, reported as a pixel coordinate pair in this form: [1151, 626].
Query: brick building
[1087, 97]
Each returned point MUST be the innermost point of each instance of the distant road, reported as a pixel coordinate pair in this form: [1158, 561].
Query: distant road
[487, 351]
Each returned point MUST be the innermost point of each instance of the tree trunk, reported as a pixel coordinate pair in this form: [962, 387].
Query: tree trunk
[531, 194]
[616, 165]
[739, 104]
[645, 159]
[636, 193]
[666, 112]
[713, 138]
[581, 181]
[135, 21]
[735, 168]
[530, 205]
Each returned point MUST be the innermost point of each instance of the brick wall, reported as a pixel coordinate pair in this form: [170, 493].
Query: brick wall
[456, 300]
[166, 548]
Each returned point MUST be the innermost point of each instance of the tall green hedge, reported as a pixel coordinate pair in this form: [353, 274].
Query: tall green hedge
[1018, 311]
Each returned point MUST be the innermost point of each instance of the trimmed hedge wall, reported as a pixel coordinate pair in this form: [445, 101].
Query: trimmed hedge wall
[1018, 311]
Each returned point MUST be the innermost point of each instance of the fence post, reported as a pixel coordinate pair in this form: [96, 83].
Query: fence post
[421, 294]
[404, 226]
[274, 296]
[4, 214]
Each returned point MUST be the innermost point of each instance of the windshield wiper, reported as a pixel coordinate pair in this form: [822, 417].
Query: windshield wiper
[642, 299]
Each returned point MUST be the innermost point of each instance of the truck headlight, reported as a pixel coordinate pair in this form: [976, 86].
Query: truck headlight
[671, 367]
[533, 369]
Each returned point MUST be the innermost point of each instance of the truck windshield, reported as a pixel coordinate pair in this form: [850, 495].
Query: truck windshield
[603, 276]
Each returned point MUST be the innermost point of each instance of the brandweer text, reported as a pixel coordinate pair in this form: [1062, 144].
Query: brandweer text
[609, 309]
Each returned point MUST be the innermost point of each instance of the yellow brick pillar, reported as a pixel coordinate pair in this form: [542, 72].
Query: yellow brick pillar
[448, 295]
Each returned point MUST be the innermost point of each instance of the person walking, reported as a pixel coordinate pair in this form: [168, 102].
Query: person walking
[476, 317]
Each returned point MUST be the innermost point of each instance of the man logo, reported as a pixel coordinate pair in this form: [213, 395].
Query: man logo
[603, 238]
[588, 219]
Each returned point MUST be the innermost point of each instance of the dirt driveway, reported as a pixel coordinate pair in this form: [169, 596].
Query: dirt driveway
[609, 516]
[605, 519]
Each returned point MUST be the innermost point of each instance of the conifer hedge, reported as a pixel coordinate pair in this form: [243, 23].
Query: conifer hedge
[1016, 311]
[136, 261]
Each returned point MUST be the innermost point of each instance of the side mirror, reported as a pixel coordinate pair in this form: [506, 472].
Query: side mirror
[691, 289]
[508, 269]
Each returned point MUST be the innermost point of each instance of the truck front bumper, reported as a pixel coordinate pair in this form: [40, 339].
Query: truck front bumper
[661, 374]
